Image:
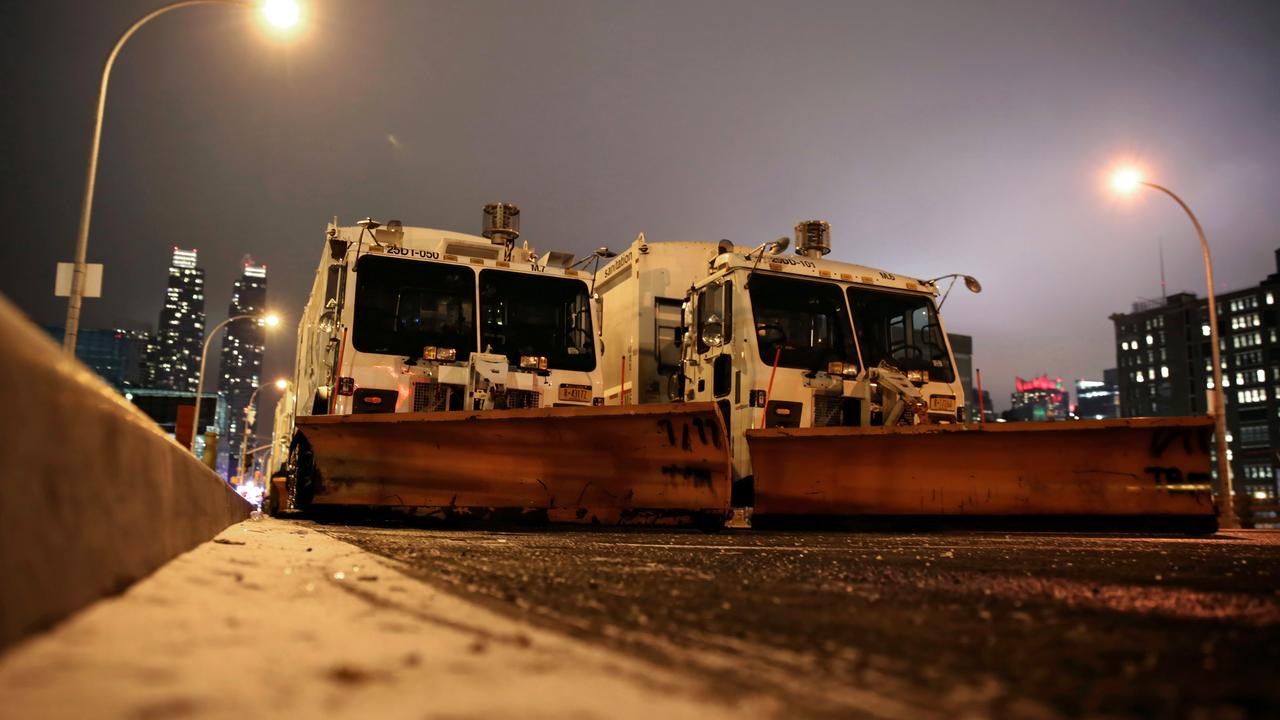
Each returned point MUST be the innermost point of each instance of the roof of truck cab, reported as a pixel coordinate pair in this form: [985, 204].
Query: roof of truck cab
[435, 245]
[702, 250]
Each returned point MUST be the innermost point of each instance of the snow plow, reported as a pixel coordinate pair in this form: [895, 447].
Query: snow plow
[452, 374]
[839, 391]
[649, 464]
[1142, 473]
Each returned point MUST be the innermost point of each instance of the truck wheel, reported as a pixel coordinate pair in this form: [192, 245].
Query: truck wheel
[710, 522]
[272, 503]
[301, 472]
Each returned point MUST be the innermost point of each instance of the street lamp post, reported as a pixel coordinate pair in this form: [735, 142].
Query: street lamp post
[270, 320]
[1128, 180]
[280, 384]
[282, 13]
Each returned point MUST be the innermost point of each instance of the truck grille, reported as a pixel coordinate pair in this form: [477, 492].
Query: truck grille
[431, 397]
[828, 410]
[518, 399]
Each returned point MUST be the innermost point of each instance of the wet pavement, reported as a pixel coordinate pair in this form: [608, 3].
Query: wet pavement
[897, 625]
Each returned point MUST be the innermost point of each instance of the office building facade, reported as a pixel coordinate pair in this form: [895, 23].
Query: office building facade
[1099, 399]
[1165, 364]
[240, 369]
[174, 361]
[1039, 399]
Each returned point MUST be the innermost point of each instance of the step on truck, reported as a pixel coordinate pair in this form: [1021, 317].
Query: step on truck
[459, 375]
[839, 390]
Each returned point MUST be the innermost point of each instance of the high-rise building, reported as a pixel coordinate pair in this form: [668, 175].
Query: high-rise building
[1041, 398]
[1165, 363]
[1098, 399]
[175, 353]
[962, 348]
[242, 347]
[118, 355]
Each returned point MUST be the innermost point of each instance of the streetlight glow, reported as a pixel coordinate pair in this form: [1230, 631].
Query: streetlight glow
[269, 320]
[1129, 179]
[283, 14]
[281, 384]
[1126, 180]
[280, 13]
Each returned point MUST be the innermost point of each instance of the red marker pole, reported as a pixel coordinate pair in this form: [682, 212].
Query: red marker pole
[982, 410]
[769, 391]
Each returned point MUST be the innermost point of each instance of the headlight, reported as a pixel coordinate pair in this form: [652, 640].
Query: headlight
[442, 354]
[841, 368]
[533, 362]
[713, 331]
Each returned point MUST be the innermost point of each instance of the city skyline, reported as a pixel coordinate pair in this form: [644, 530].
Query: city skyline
[693, 136]
[240, 362]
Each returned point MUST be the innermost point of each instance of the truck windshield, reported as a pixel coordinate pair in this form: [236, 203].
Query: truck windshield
[807, 319]
[901, 329]
[537, 315]
[403, 306]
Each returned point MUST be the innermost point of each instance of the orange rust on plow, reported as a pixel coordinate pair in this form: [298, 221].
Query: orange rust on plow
[1154, 471]
[582, 464]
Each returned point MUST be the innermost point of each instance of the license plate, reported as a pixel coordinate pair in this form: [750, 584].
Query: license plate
[942, 402]
[575, 393]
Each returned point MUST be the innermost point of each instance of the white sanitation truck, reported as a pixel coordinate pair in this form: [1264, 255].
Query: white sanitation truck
[460, 374]
[840, 393]
[788, 342]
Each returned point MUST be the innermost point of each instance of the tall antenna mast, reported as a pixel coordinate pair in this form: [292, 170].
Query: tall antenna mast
[1164, 293]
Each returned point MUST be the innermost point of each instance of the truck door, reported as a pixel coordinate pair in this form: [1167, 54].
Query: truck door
[713, 373]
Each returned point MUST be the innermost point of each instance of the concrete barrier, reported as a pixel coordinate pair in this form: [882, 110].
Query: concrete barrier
[93, 496]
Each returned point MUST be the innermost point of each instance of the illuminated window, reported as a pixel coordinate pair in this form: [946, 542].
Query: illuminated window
[1262, 375]
[1204, 330]
[1164, 371]
[1150, 340]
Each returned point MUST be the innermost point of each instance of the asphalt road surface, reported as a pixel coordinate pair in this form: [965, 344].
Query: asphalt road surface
[894, 625]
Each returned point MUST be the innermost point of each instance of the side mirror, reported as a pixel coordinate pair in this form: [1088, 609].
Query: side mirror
[771, 335]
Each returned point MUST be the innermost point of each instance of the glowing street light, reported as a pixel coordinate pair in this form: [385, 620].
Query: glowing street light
[280, 13]
[269, 320]
[250, 416]
[283, 14]
[1127, 180]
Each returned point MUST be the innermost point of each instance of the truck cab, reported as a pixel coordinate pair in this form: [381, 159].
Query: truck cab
[412, 320]
[790, 342]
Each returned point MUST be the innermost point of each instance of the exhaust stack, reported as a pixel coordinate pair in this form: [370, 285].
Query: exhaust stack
[813, 238]
[501, 223]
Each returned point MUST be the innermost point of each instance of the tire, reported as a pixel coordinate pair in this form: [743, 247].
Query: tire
[300, 473]
[271, 505]
[710, 522]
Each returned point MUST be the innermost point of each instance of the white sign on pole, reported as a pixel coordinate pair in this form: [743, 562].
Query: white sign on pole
[92, 280]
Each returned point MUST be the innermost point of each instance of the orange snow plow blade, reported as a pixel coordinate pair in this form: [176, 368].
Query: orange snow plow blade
[608, 465]
[1152, 473]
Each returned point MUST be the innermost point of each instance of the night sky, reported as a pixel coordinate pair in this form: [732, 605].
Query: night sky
[935, 137]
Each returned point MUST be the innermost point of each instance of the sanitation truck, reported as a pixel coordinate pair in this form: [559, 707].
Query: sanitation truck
[449, 373]
[841, 397]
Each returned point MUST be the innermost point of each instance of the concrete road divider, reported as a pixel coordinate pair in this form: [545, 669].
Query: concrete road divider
[93, 495]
